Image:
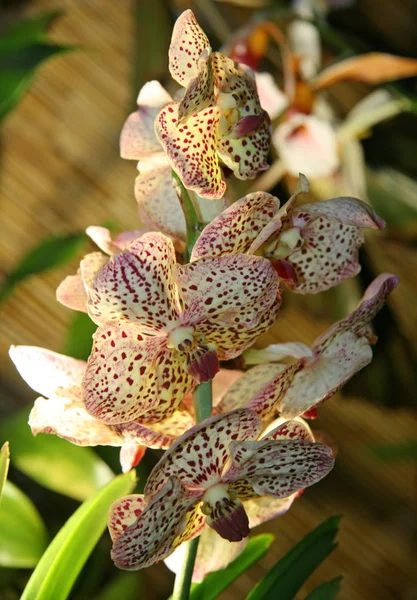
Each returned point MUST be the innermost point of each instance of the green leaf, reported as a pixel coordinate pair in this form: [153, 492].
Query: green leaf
[4, 466]
[66, 555]
[218, 581]
[288, 575]
[22, 533]
[50, 253]
[327, 590]
[55, 463]
[125, 586]
[33, 29]
[79, 339]
[396, 452]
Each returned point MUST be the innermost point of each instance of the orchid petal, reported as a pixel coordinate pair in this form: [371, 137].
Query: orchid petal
[138, 139]
[305, 44]
[246, 155]
[271, 98]
[102, 238]
[280, 468]
[213, 553]
[295, 429]
[90, 265]
[121, 382]
[267, 401]
[130, 456]
[188, 42]
[136, 434]
[246, 387]
[235, 228]
[198, 457]
[159, 207]
[260, 510]
[71, 292]
[125, 238]
[174, 426]
[168, 519]
[349, 211]
[324, 374]
[200, 90]
[137, 285]
[222, 382]
[45, 371]
[277, 352]
[191, 149]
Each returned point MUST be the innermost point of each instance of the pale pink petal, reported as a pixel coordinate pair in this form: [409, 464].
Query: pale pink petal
[90, 265]
[138, 139]
[144, 536]
[277, 352]
[349, 211]
[66, 417]
[121, 381]
[371, 303]
[214, 553]
[137, 285]
[102, 238]
[72, 294]
[188, 42]
[236, 227]
[307, 145]
[130, 456]
[159, 207]
[260, 510]
[279, 468]
[222, 383]
[200, 90]
[270, 96]
[191, 149]
[248, 386]
[305, 44]
[198, 457]
[124, 239]
[324, 374]
[46, 371]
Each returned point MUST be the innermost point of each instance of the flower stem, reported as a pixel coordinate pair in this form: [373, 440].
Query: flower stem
[193, 225]
[202, 409]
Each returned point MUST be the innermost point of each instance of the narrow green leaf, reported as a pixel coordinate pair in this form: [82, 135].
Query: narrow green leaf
[4, 466]
[50, 253]
[288, 575]
[22, 532]
[327, 590]
[124, 586]
[55, 463]
[406, 451]
[66, 555]
[27, 31]
[218, 581]
[79, 339]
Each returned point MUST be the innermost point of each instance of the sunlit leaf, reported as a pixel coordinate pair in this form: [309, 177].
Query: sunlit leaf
[216, 582]
[22, 532]
[393, 195]
[79, 339]
[124, 586]
[327, 590]
[54, 463]
[4, 466]
[405, 451]
[50, 253]
[288, 575]
[373, 68]
[66, 555]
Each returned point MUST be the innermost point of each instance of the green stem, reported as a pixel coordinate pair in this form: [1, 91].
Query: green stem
[191, 218]
[202, 409]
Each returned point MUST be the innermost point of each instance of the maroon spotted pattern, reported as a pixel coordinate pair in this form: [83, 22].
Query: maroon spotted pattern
[200, 91]
[188, 42]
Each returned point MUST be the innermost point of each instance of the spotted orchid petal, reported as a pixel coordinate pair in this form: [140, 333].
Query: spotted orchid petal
[46, 371]
[349, 211]
[90, 265]
[191, 149]
[198, 457]
[71, 292]
[137, 285]
[101, 236]
[264, 508]
[213, 553]
[146, 532]
[200, 90]
[308, 145]
[230, 300]
[277, 352]
[174, 426]
[248, 386]
[234, 230]
[277, 468]
[138, 140]
[158, 204]
[130, 456]
[246, 154]
[294, 429]
[188, 42]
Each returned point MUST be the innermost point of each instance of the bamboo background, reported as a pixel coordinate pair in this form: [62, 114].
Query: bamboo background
[60, 171]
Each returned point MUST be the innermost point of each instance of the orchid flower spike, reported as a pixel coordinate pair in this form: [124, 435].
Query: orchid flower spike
[219, 121]
[206, 478]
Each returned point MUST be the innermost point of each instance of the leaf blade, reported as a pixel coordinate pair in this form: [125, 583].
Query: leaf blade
[4, 466]
[327, 590]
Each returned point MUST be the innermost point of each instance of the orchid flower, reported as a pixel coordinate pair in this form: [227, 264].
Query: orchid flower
[219, 121]
[318, 372]
[313, 247]
[206, 478]
[164, 327]
[159, 207]
[64, 414]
